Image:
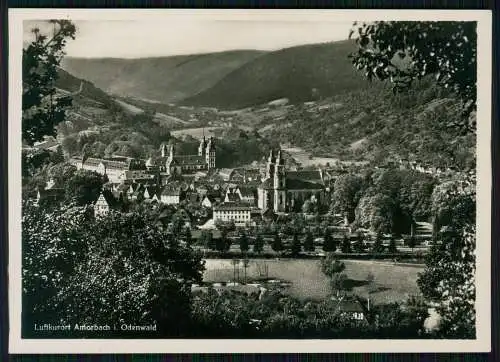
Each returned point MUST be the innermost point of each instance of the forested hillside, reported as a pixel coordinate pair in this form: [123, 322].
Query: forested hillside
[300, 74]
[165, 79]
[378, 126]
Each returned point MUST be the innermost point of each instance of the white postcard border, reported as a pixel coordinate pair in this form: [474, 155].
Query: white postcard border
[483, 252]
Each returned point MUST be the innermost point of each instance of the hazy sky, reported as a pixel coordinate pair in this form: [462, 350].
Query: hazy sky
[182, 35]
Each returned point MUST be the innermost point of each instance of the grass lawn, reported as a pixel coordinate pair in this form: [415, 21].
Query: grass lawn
[392, 282]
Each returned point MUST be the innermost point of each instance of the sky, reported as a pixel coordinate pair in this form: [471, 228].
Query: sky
[184, 35]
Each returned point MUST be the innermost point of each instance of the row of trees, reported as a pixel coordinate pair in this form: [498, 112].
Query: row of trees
[330, 244]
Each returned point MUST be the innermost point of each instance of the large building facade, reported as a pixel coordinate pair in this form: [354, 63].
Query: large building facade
[174, 164]
[281, 192]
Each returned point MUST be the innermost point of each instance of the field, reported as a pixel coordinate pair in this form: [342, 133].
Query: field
[195, 132]
[304, 158]
[392, 282]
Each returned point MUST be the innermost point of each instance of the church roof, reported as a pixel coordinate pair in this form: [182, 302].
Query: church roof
[171, 191]
[295, 184]
[267, 184]
[234, 207]
[307, 175]
[247, 192]
[189, 160]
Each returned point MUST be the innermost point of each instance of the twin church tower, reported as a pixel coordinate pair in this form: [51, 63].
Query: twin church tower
[180, 164]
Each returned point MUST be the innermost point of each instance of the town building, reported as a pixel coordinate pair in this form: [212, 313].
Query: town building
[171, 195]
[115, 168]
[284, 191]
[101, 206]
[239, 213]
[49, 195]
[174, 164]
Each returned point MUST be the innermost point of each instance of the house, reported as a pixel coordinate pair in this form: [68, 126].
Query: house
[171, 195]
[202, 189]
[226, 173]
[49, 144]
[139, 176]
[208, 201]
[252, 175]
[151, 193]
[352, 309]
[231, 196]
[239, 213]
[101, 206]
[247, 195]
[193, 198]
[51, 195]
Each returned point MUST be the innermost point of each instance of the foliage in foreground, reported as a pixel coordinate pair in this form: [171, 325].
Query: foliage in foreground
[119, 269]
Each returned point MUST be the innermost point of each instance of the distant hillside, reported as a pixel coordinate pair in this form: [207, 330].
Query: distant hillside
[300, 74]
[80, 88]
[164, 79]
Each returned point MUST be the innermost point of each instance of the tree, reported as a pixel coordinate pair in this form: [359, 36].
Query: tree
[377, 212]
[404, 51]
[331, 265]
[245, 262]
[411, 242]
[277, 244]
[329, 243]
[188, 237]
[309, 242]
[223, 243]
[307, 207]
[296, 248]
[117, 268]
[392, 248]
[346, 244]
[61, 173]
[338, 282]
[347, 192]
[258, 244]
[84, 187]
[449, 276]
[235, 263]
[378, 245]
[207, 240]
[243, 243]
[42, 108]
[359, 245]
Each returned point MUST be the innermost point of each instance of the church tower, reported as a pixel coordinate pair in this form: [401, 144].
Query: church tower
[202, 146]
[163, 150]
[210, 153]
[270, 165]
[279, 184]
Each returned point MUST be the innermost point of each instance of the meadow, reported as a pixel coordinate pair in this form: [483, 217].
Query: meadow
[195, 132]
[392, 282]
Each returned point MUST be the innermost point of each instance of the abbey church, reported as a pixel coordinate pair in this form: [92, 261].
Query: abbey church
[284, 191]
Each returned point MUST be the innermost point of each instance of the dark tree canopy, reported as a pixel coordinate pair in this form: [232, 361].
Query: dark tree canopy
[403, 51]
[42, 108]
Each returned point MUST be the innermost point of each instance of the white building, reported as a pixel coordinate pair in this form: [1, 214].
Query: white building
[101, 206]
[240, 214]
[115, 169]
[171, 196]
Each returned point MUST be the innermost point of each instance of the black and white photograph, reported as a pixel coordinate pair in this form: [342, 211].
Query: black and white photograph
[222, 177]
